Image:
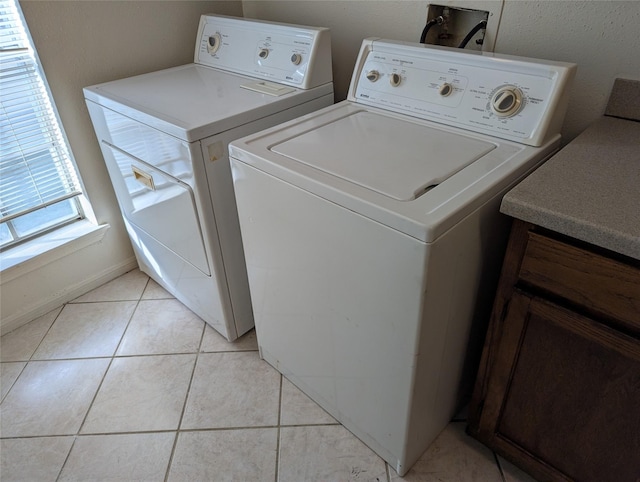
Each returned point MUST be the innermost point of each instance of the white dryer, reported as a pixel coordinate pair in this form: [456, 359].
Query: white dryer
[164, 138]
[373, 235]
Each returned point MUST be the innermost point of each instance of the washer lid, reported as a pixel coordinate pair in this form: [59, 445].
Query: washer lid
[397, 158]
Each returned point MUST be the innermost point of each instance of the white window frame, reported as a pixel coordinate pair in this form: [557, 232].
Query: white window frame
[21, 62]
[53, 242]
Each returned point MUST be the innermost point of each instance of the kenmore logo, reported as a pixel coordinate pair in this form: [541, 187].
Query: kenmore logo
[364, 95]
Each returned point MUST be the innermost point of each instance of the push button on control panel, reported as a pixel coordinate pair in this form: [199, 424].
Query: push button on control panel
[263, 53]
[296, 59]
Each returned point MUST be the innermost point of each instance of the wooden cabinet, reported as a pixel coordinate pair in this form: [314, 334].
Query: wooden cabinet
[558, 390]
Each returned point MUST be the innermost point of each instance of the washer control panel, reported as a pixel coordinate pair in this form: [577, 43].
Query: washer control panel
[281, 53]
[509, 97]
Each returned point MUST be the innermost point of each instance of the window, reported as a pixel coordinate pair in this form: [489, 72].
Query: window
[39, 186]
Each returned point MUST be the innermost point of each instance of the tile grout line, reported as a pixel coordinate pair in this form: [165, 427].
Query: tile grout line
[14, 382]
[31, 359]
[112, 357]
[278, 430]
[239, 427]
[91, 434]
[142, 355]
[137, 355]
[26, 362]
[104, 375]
[46, 333]
[54, 320]
[184, 405]
[75, 437]
[108, 301]
[124, 332]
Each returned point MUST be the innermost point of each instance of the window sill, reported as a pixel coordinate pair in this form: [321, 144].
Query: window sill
[22, 259]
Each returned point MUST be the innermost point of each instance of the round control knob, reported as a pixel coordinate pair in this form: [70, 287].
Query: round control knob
[507, 101]
[373, 75]
[395, 79]
[213, 43]
[296, 59]
[263, 53]
[445, 89]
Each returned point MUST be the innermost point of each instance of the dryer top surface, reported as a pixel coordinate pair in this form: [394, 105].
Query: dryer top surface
[192, 102]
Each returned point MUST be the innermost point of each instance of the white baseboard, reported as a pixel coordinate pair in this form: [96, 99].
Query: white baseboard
[65, 295]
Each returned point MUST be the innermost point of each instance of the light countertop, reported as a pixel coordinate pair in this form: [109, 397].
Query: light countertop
[590, 190]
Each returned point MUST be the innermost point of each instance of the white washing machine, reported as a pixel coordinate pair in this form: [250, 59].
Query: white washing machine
[164, 138]
[373, 235]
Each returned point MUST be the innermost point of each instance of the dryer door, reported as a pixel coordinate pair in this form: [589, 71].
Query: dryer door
[160, 205]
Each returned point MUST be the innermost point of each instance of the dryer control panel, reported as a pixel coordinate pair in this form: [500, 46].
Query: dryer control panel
[282, 53]
[514, 98]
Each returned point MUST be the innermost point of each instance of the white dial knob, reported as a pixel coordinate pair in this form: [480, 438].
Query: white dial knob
[507, 101]
[445, 89]
[373, 75]
[263, 53]
[213, 43]
[296, 59]
[395, 79]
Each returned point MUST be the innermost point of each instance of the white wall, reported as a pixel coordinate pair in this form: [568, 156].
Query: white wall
[82, 43]
[600, 36]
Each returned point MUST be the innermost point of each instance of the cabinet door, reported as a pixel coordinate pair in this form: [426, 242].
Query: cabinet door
[564, 398]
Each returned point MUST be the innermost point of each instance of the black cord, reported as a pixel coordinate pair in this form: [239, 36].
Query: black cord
[439, 20]
[472, 32]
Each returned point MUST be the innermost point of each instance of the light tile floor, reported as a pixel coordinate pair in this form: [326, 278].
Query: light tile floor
[124, 383]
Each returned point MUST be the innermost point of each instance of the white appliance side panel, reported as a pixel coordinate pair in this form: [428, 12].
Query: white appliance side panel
[217, 172]
[462, 275]
[337, 301]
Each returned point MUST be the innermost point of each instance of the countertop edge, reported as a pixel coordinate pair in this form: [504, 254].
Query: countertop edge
[602, 237]
[589, 190]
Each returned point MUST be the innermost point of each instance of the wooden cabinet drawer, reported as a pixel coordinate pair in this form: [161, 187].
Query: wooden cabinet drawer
[600, 284]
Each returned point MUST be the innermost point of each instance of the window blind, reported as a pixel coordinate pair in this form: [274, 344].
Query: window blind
[36, 170]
